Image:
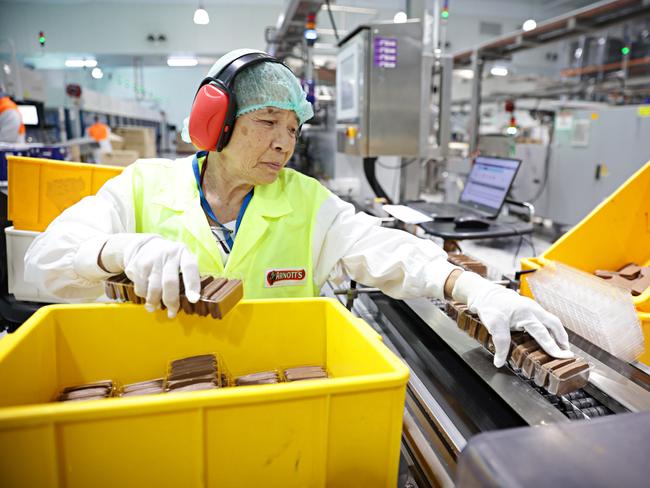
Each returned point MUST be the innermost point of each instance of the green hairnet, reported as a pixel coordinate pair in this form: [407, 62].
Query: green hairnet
[262, 85]
[265, 85]
[271, 85]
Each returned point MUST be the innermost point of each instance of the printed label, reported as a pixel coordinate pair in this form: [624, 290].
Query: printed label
[285, 277]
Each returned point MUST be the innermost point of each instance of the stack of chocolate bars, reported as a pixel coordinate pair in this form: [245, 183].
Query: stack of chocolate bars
[218, 295]
[193, 373]
[468, 263]
[305, 373]
[89, 391]
[632, 277]
[149, 387]
[557, 376]
[262, 378]
[290, 374]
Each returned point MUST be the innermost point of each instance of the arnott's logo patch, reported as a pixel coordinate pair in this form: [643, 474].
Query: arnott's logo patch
[285, 277]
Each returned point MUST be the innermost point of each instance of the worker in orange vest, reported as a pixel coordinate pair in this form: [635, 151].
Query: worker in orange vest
[100, 132]
[11, 122]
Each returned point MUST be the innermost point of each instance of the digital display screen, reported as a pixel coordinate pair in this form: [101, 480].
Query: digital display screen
[29, 114]
[489, 182]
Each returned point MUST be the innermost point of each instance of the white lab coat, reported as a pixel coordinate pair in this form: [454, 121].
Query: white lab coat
[63, 260]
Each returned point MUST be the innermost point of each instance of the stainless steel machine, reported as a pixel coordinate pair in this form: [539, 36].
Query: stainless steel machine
[382, 82]
[393, 99]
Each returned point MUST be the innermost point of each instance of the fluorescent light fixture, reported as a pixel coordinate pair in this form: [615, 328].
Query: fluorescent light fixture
[499, 71]
[400, 17]
[529, 25]
[80, 63]
[97, 73]
[201, 16]
[465, 74]
[75, 63]
[181, 61]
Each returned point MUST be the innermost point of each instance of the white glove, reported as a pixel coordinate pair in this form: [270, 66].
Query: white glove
[502, 310]
[154, 264]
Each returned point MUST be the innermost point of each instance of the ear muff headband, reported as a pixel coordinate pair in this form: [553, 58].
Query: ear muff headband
[214, 108]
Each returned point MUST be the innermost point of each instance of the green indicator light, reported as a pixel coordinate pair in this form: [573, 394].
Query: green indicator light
[444, 14]
[41, 40]
[625, 50]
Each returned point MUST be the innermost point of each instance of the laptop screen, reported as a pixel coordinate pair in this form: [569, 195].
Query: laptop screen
[488, 183]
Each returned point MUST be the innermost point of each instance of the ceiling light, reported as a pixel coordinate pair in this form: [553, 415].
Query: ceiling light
[75, 63]
[80, 63]
[529, 25]
[97, 73]
[201, 16]
[499, 71]
[400, 17]
[180, 61]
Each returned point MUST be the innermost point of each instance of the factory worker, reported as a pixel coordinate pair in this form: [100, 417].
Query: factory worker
[11, 122]
[234, 210]
[100, 132]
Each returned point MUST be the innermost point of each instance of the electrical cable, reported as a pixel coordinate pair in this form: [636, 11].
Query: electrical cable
[329, 11]
[547, 163]
[399, 166]
[369, 170]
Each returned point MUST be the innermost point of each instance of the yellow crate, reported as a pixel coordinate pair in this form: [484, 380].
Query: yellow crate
[615, 233]
[343, 431]
[40, 189]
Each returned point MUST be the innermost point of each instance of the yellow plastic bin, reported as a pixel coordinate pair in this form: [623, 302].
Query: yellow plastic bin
[40, 189]
[343, 431]
[615, 233]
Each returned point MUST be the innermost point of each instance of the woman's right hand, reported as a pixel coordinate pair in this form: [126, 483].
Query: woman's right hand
[155, 265]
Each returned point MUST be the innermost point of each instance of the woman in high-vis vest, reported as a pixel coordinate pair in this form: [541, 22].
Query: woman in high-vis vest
[234, 210]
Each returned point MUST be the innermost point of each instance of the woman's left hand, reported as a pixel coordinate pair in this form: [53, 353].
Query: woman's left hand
[502, 310]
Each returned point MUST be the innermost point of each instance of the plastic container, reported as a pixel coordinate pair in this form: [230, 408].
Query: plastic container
[343, 431]
[591, 307]
[614, 234]
[40, 189]
[17, 243]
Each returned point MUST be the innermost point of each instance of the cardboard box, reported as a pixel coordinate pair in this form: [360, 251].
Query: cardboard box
[122, 157]
[140, 139]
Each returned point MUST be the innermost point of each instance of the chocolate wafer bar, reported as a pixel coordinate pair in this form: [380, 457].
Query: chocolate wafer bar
[468, 263]
[90, 391]
[531, 360]
[149, 387]
[520, 352]
[218, 295]
[542, 371]
[262, 378]
[568, 378]
[305, 373]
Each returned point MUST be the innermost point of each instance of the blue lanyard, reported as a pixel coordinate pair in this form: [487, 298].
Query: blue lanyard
[206, 206]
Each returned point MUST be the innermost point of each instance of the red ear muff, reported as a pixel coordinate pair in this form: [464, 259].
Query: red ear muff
[209, 113]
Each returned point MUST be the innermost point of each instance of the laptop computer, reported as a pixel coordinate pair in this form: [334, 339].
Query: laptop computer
[485, 191]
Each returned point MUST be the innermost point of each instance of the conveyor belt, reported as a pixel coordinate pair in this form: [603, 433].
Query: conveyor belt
[455, 392]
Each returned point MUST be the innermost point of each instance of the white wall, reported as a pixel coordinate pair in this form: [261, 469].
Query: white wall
[122, 28]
